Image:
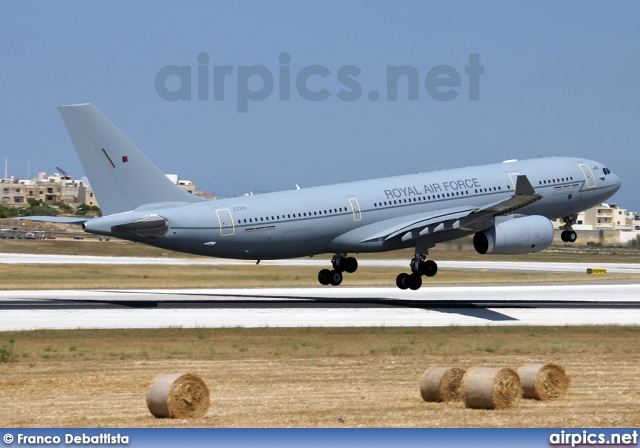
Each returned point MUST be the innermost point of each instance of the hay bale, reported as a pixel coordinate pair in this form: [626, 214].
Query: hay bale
[178, 396]
[442, 384]
[491, 388]
[543, 381]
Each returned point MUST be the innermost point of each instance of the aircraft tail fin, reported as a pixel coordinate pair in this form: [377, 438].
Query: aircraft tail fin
[121, 176]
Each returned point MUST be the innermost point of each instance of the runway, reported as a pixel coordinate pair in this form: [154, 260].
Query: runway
[566, 304]
[547, 304]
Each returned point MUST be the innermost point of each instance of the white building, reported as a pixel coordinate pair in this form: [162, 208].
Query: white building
[606, 223]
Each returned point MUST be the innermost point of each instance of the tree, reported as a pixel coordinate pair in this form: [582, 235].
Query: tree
[6, 212]
[38, 208]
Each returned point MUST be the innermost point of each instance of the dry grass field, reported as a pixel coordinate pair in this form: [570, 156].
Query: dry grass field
[15, 277]
[310, 377]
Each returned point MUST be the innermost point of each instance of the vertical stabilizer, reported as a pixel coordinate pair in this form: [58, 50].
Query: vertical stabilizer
[121, 176]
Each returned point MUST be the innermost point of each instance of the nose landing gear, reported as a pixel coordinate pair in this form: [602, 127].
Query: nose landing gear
[568, 235]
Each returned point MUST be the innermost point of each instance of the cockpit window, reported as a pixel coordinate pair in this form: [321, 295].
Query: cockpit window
[606, 170]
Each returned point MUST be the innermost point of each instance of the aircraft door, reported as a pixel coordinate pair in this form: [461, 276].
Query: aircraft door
[355, 208]
[226, 222]
[588, 174]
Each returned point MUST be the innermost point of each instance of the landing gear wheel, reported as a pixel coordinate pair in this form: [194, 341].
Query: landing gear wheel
[323, 277]
[335, 278]
[344, 264]
[428, 268]
[569, 236]
[400, 280]
[413, 281]
[341, 263]
[350, 265]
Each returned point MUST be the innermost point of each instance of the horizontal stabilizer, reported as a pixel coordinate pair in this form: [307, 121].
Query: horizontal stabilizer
[59, 219]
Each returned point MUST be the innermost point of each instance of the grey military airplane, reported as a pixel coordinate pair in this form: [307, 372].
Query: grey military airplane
[506, 206]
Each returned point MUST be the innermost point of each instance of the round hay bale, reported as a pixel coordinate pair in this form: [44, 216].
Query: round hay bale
[543, 381]
[491, 388]
[442, 384]
[178, 395]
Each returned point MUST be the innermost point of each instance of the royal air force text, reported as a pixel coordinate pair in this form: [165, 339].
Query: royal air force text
[440, 187]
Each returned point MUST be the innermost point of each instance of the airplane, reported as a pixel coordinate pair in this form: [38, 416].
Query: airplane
[506, 206]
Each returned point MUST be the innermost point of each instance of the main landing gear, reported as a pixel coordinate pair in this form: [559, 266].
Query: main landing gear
[569, 235]
[341, 263]
[419, 266]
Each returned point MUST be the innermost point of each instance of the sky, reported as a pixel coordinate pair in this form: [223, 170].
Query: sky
[253, 96]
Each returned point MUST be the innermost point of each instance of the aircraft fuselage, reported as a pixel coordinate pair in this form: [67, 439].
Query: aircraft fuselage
[337, 218]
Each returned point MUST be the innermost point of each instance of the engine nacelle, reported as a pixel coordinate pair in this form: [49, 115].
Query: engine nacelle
[523, 235]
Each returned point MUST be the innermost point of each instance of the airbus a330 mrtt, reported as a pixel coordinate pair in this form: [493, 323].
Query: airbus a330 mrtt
[506, 206]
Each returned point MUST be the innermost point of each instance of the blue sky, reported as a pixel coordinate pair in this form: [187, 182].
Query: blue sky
[560, 78]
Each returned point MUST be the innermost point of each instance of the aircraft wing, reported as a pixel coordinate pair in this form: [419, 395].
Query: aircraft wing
[459, 218]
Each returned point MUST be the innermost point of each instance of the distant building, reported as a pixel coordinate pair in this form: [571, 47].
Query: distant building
[606, 223]
[189, 186]
[46, 188]
[62, 188]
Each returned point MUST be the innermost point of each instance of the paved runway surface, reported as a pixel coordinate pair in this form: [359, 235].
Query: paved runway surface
[571, 304]
[550, 304]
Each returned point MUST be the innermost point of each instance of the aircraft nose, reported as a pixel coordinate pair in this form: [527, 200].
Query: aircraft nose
[615, 181]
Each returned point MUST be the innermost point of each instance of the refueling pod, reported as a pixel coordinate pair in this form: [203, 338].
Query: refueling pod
[523, 235]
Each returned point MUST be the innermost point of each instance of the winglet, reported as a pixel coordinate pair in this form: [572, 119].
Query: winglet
[523, 186]
[524, 195]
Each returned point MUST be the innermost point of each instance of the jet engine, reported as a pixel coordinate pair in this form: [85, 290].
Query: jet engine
[522, 235]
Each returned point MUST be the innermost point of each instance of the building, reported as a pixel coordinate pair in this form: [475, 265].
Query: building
[46, 188]
[61, 188]
[605, 223]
